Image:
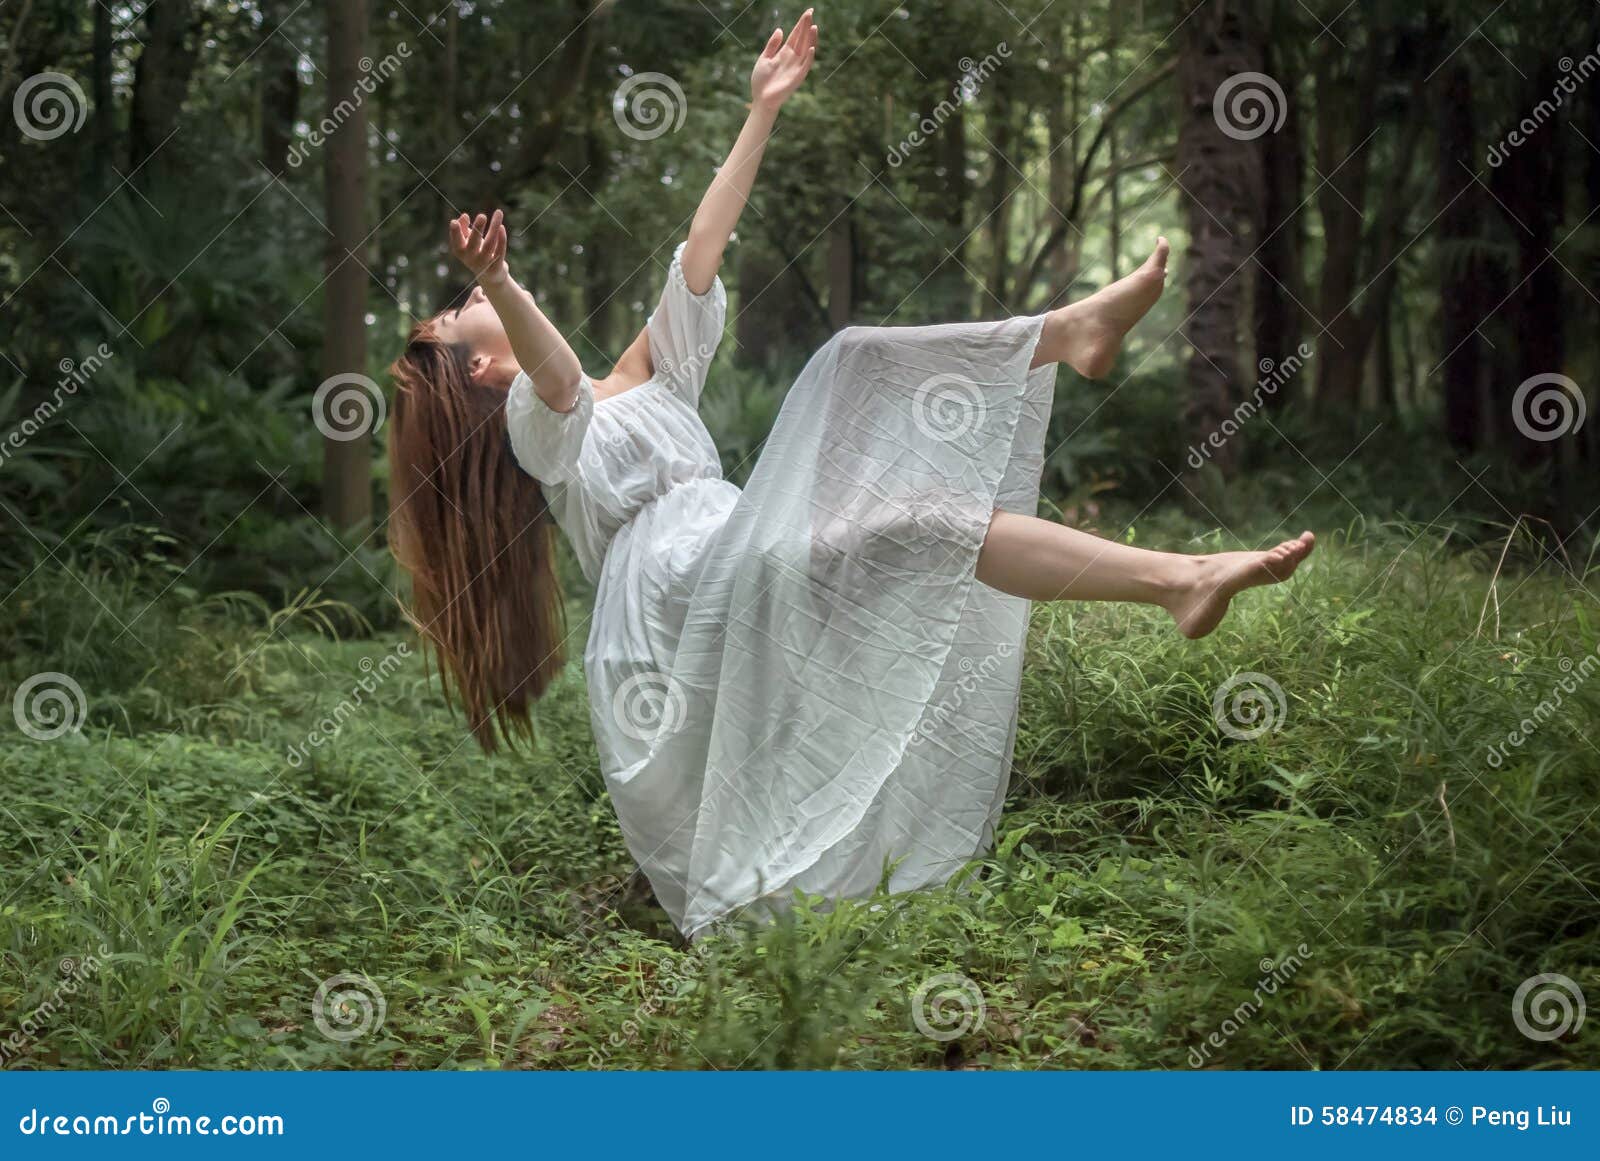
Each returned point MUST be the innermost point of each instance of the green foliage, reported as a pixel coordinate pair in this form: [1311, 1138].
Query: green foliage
[1147, 867]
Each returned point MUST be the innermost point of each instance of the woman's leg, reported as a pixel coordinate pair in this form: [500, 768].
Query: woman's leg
[1086, 335]
[1033, 558]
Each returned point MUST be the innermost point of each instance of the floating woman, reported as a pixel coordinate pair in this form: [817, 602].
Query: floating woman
[796, 685]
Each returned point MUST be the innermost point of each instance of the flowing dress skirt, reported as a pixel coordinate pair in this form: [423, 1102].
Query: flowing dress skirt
[849, 687]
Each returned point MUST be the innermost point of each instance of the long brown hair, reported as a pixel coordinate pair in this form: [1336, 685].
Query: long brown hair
[476, 536]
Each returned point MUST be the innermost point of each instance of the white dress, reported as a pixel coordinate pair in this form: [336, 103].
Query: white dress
[801, 686]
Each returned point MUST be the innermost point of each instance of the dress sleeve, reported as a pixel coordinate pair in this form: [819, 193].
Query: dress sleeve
[546, 442]
[685, 329]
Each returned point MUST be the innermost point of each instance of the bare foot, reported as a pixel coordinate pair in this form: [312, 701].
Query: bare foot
[1199, 606]
[1097, 325]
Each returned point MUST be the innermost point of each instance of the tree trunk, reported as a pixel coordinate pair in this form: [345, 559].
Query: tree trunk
[105, 114]
[346, 462]
[600, 292]
[1460, 281]
[1113, 154]
[161, 78]
[841, 271]
[1531, 185]
[1388, 392]
[1346, 114]
[1280, 287]
[1001, 181]
[753, 332]
[280, 89]
[1221, 179]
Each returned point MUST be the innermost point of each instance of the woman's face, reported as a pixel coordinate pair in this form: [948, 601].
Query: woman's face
[475, 325]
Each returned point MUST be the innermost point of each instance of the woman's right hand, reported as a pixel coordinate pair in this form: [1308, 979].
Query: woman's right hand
[480, 245]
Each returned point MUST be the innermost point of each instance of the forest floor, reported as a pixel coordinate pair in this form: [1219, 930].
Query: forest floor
[192, 878]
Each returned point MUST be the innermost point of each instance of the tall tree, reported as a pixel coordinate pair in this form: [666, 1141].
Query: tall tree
[105, 126]
[1221, 179]
[280, 87]
[346, 462]
[161, 78]
[1362, 241]
[1460, 218]
[1279, 259]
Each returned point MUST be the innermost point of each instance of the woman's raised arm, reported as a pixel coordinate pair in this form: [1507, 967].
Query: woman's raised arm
[541, 350]
[778, 71]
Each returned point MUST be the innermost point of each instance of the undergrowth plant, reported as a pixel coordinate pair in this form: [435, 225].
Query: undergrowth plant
[1353, 859]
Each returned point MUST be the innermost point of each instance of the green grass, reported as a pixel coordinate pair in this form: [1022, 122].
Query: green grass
[1401, 886]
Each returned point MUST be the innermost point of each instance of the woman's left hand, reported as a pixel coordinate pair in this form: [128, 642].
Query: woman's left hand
[479, 244]
[783, 64]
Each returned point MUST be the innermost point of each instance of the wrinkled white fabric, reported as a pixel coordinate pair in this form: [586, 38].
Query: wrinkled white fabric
[801, 686]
